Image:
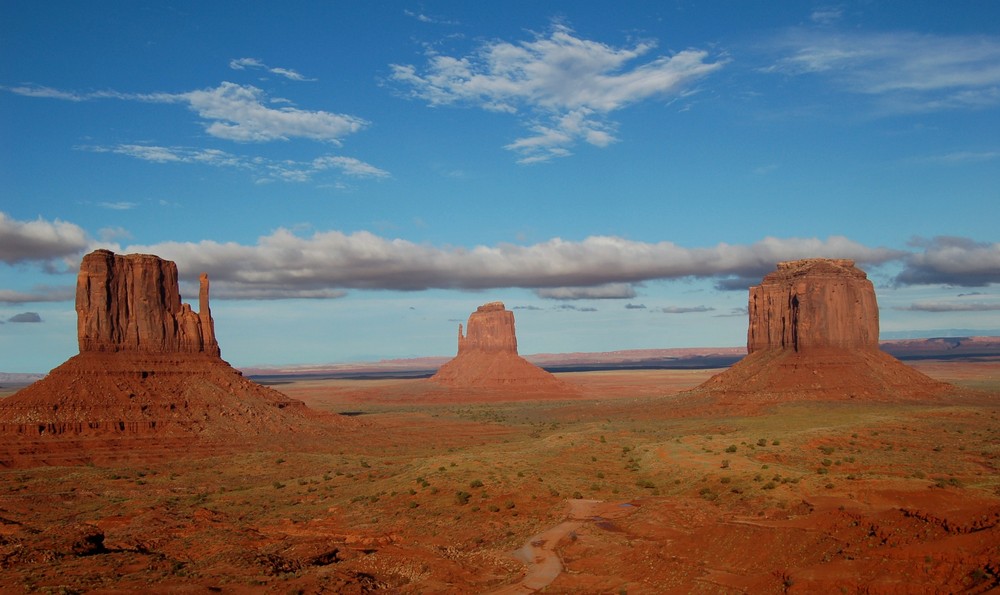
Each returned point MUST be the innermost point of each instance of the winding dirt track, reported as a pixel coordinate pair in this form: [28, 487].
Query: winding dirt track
[539, 552]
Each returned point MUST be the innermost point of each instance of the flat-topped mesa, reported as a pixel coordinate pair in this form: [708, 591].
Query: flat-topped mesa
[490, 329]
[132, 303]
[813, 303]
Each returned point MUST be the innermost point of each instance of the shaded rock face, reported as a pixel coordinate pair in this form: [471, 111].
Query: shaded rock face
[487, 357]
[132, 303]
[813, 335]
[490, 329]
[813, 303]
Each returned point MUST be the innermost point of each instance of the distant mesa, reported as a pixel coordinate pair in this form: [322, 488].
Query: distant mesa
[148, 365]
[813, 334]
[487, 357]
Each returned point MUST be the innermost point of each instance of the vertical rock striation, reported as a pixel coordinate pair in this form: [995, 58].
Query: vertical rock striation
[132, 303]
[813, 303]
[490, 330]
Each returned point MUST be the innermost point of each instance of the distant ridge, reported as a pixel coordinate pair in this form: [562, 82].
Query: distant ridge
[971, 347]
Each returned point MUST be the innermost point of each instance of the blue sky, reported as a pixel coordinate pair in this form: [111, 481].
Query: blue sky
[357, 177]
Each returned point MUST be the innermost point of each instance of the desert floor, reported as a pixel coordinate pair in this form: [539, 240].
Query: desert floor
[613, 491]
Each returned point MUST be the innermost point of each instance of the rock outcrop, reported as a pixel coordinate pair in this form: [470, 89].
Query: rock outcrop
[813, 335]
[490, 330]
[488, 359]
[813, 303]
[132, 303]
[149, 366]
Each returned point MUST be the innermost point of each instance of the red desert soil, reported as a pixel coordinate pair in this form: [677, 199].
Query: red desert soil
[439, 497]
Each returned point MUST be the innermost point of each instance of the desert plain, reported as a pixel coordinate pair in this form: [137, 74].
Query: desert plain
[627, 486]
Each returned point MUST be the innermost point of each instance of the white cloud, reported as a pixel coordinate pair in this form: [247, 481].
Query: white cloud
[244, 63]
[121, 205]
[826, 16]
[350, 166]
[237, 112]
[51, 93]
[233, 112]
[39, 240]
[909, 71]
[952, 261]
[265, 169]
[959, 157]
[937, 307]
[685, 309]
[599, 292]
[39, 294]
[286, 264]
[567, 83]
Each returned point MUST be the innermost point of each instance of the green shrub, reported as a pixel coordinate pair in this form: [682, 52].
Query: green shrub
[462, 497]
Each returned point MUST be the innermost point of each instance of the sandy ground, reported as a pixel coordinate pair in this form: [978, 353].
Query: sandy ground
[434, 491]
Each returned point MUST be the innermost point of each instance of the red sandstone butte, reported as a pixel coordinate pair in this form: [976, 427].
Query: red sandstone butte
[813, 334]
[487, 356]
[131, 303]
[148, 366]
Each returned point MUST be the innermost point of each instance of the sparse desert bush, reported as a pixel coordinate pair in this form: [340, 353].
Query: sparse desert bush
[762, 442]
[476, 483]
[462, 497]
[731, 448]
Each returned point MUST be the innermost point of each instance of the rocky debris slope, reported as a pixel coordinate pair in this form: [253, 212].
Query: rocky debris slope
[487, 356]
[813, 334]
[148, 366]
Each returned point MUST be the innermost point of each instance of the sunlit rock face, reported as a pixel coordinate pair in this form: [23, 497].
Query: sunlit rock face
[487, 356]
[490, 329]
[148, 366]
[813, 303]
[132, 303]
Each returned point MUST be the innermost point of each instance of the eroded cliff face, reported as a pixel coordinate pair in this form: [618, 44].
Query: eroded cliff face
[132, 303]
[490, 329]
[813, 303]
